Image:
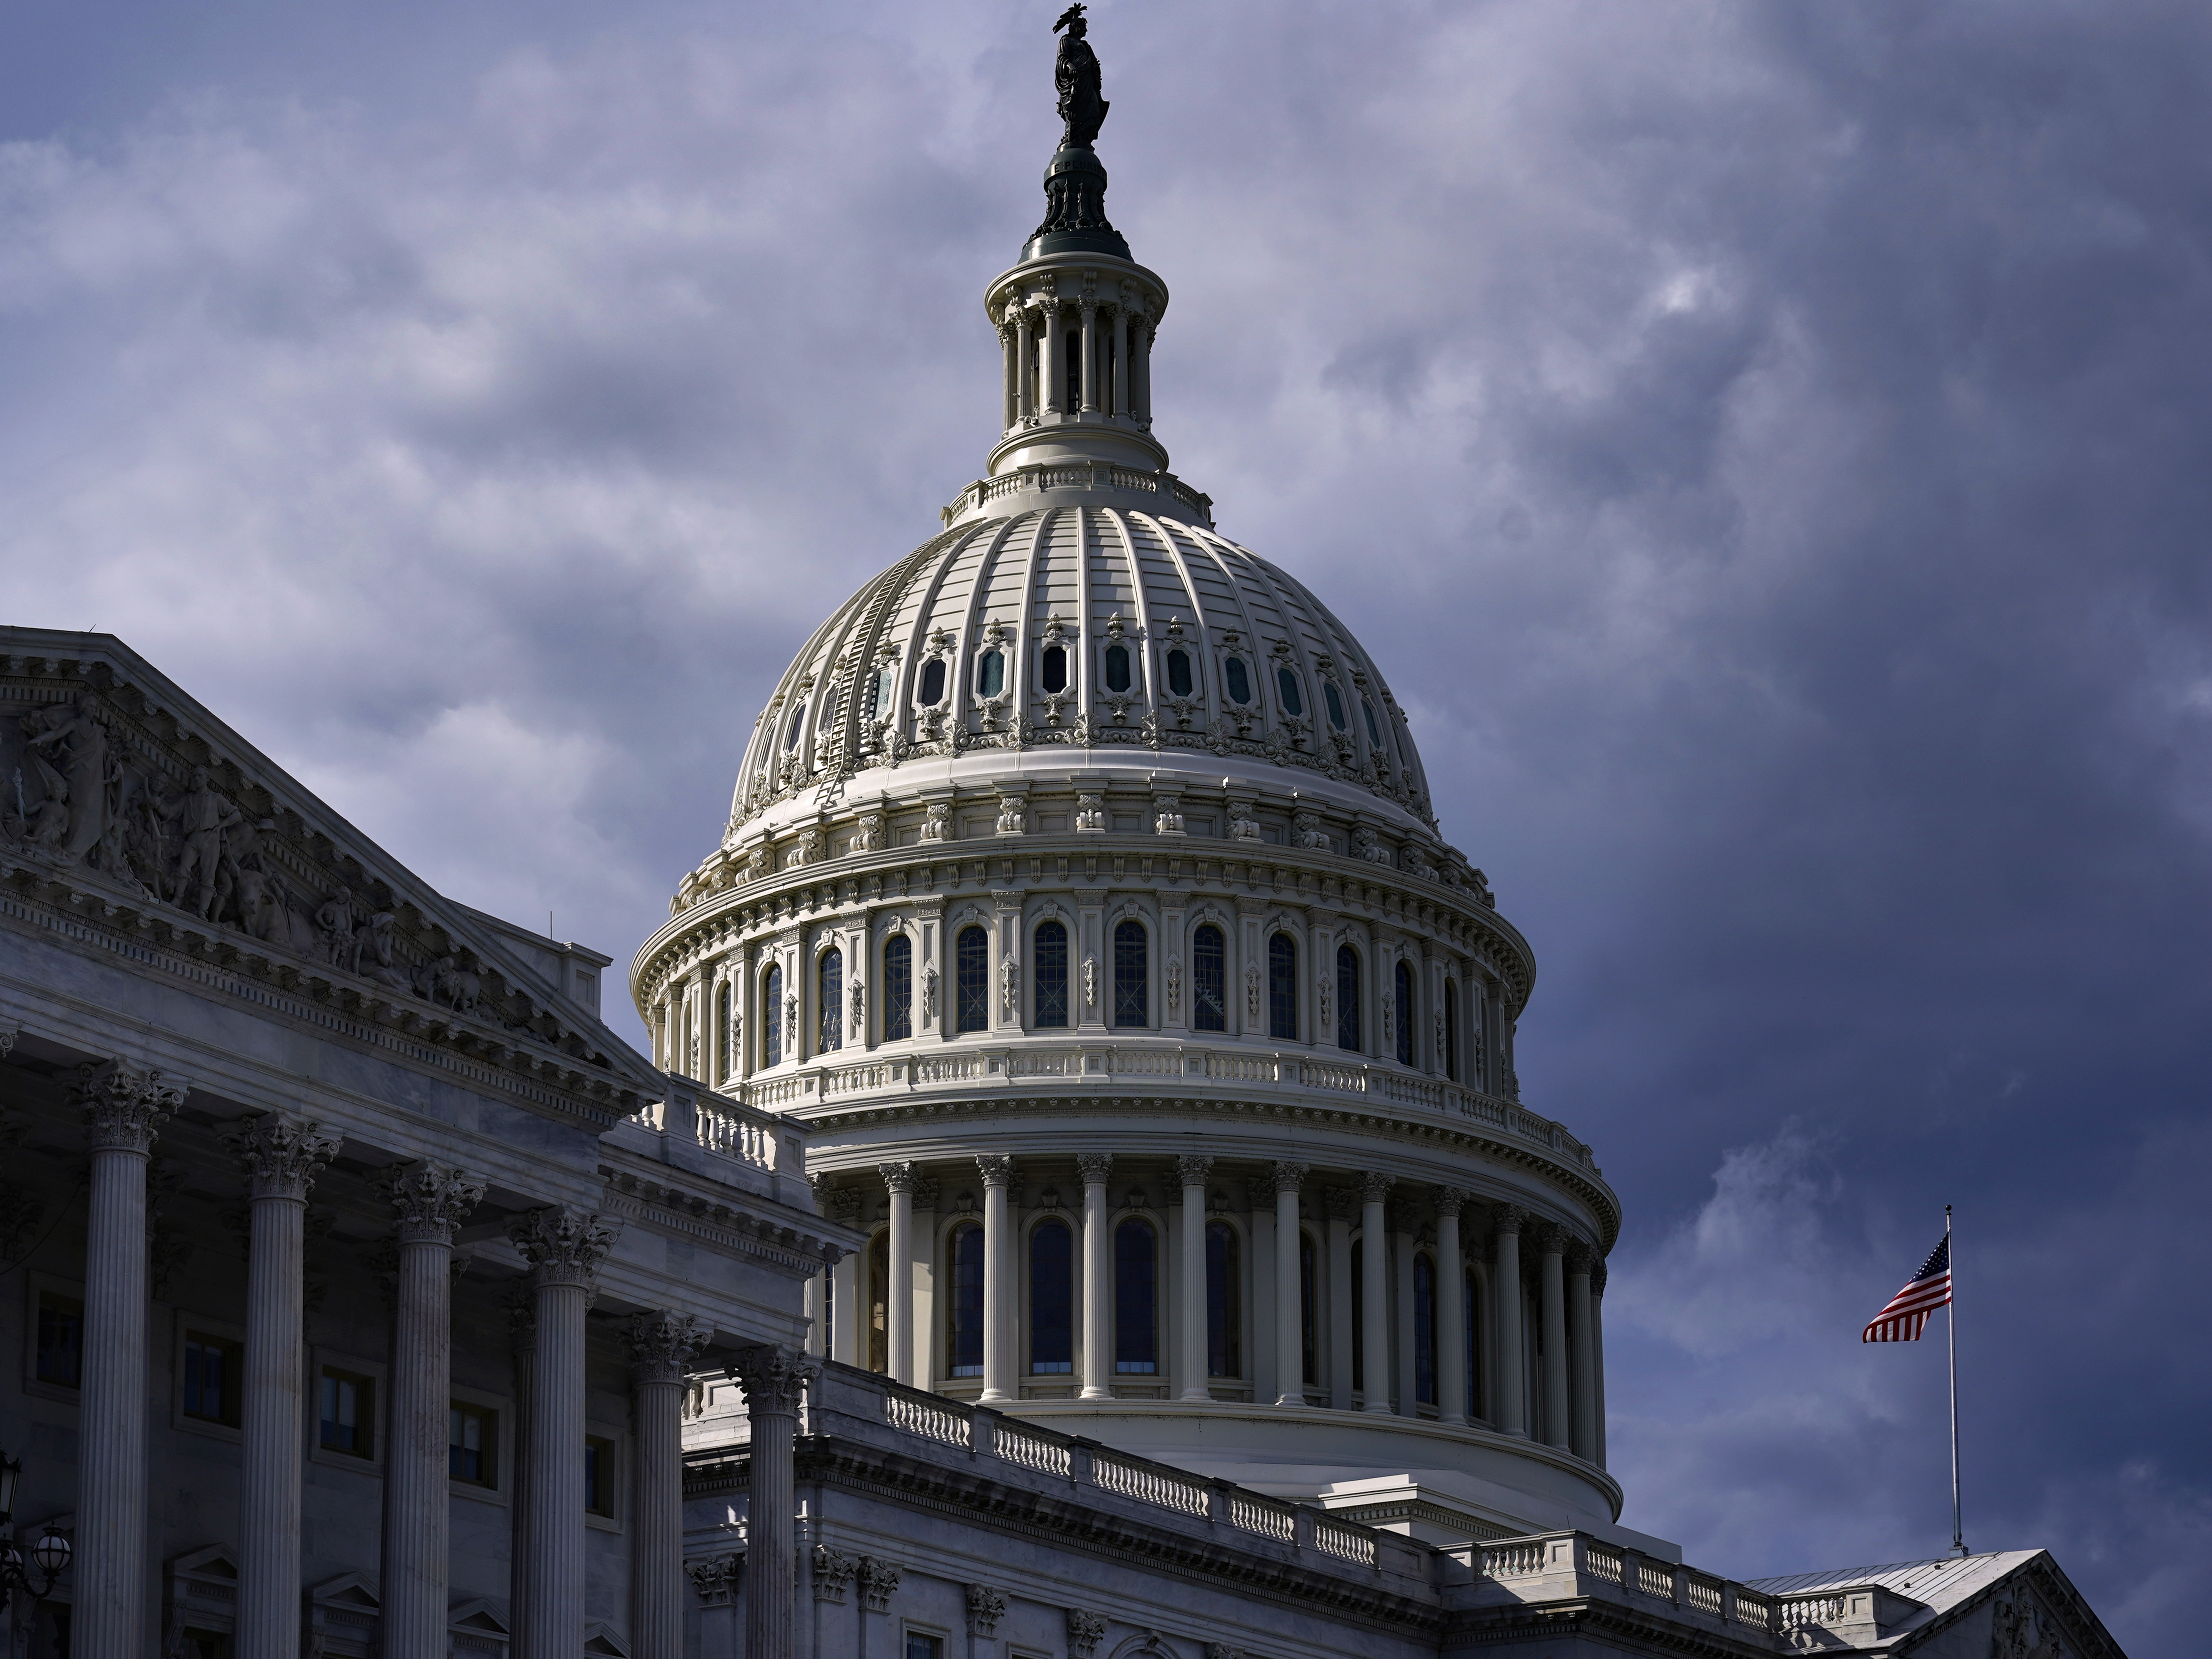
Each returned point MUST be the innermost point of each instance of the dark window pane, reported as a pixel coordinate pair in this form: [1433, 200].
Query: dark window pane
[1309, 1330]
[1136, 1284]
[1133, 1000]
[1117, 668]
[348, 1413]
[722, 1027]
[1179, 672]
[210, 1370]
[829, 985]
[1348, 998]
[61, 1340]
[923, 1647]
[600, 1476]
[772, 1017]
[1055, 668]
[972, 978]
[1472, 1324]
[798, 725]
[879, 1290]
[991, 674]
[470, 1443]
[1283, 988]
[1451, 1031]
[963, 1336]
[932, 683]
[1424, 1331]
[1287, 683]
[1335, 703]
[1051, 975]
[898, 987]
[1224, 1306]
[1239, 681]
[1052, 1298]
[1404, 978]
[1359, 1314]
[1374, 736]
[1209, 979]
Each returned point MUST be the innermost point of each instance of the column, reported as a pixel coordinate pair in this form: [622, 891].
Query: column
[1506, 1221]
[1009, 408]
[1451, 1309]
[774, 1380]
[848, 1337]
[124, 1110]
[1098, 1367]
[1290, 1303]
[428, 1201]
[1597, 1350]
[1140, 369]
[1583, 1436]
[1055, 363]
[1550, 1246]
[1024, 378]
[281, 1155]
[1120, 393]
[898, 1297]
[1090, 315]
[1341, 1202]
[998, 1282]
[662, 1345]
[1375, 1290]
[1191, 1173]
[521, 1520]
[564, 1244]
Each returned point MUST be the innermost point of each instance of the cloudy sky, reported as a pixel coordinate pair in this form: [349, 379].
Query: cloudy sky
[1765, 444]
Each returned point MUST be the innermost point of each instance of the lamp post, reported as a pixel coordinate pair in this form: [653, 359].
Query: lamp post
[49, 1556]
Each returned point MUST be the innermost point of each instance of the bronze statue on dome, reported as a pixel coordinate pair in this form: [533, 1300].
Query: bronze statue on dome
[1083, 105]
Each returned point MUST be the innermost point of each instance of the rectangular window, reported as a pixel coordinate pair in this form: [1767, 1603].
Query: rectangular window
[898, 988]
[61, 1340]
[600, 1476]
[472, 1445]
[348, 1412]
[919, 1646]
[211, 1373]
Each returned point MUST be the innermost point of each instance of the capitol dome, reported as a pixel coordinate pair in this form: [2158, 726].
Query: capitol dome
[1082, 897]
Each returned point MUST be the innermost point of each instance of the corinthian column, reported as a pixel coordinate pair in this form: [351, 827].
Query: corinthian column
[1451, 1309]
[1192, 1172]
[661, 1345]
[1506, 1222]
[998, 1282]
[1374, 1292]
[1583, 1434]
[1550, 1246]
[898, 1295]
[1597, 1353]
[1290, 1300]
[774, 1379]
[428, 1201]
[124, 1110]
[563, 1245]
[1097, 1370]
[282, 1156]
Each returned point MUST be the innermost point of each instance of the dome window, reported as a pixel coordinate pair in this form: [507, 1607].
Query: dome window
[1238, 678]
[1287, 683]
[1179, 681]
[880, 690]
[1055, 668]
[1209, 979]
[972, 970]
[1133, 990]
[963, 1325]
[1335, 703]
[829, 998]
[932, 683]
[1117, 668]
[1051, 981]
[990, 673]
[798, 725]
[898, 987]
[1373, 733]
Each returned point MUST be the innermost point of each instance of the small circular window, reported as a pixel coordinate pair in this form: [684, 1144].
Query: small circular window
[932, 683]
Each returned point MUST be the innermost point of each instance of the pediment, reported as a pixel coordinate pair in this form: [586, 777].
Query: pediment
[349, 1589]
[479, 1617]
[215, 1561]
[600, 1642]
[184, 836]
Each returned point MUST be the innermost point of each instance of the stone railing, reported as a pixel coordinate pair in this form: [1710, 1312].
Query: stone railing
[756, 1140]
[1081, 475]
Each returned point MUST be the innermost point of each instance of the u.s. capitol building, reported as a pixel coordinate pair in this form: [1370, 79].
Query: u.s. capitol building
[1079, 1200]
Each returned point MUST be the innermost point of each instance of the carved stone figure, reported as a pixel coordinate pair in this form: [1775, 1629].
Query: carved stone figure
[1242, 826]
[1169, 819]
[929, 991]
[1075, 72]
[937, 821]
[337, 921]
[202, 814]
[1310, 832]
[1090, 981]
[1090, 815]
[1252, 991]
[76, 735]
[870, 834]
[1084, 1631]
[1175, 983]
[856, 1006]
[1012, 820]
[1010, 989]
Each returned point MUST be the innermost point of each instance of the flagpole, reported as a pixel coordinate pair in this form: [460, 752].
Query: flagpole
[1951, 1329]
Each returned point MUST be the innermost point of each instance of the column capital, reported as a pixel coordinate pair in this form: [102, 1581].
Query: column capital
[562, 1243]
[997, 1171]
[773, 1378]
[1084, 1631]
[661, 1345]
[429, 1200]
[1342, 1203]
[1373, 1188]
[1580, 1257]
[282, 1155]
[1094, 1167]
[833, 1574]
[1449, 1200]
[123, 1107]
[1191, 1170]
[899, 1177]
[1597, 1277]
[841, 1204]
[1286, 1178]
[985, 1607]
[1508, 1218]
[1549, 1238]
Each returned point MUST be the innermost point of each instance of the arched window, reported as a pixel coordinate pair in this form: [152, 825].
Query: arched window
[829, 985]
[972, 980]
[1283, 988]
[1117, 668]
[1424, 1330]
[964, 1307]
[1309, 1319]
[1209, 979]
[1136, 1299]
[879, 1292]
[1405, 988]
[1238, 678]
[1179, 680]
[791, 732]
[1358, 1315]
[1451, 1031]
[1287, 683]
[772, 1016]
[990, 673]
[726, 1059]
[1472, 1324]
[898, 987]
[1374, 735]
[932, 683]
[1054, 668]
[1336, 701]
[1348, 998]
[1224, 1305]
[1132, 995]
[1050, 957]
[1052, 1298]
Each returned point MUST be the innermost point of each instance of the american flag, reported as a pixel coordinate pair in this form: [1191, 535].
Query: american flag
[1907, 1313]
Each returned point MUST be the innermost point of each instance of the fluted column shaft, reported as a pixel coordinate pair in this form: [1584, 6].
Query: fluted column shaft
[660, 1345]
[774, 1380]
[1140, 369]
[1451, 1310]
[1097, 1362]
[428, 1201]
[1550, 1244]
[1055, 363]
[1597, 1351]
[898, 1295]
[281, 1155]
[1009, 411]
[563, 1246]
[124, 1111]
[522, 1519]
[998, 1282]
[1289, 1301]
[1119, 393]
[1512, 1368]
[1374, 1293]
[1024, 373]
[1583, 1436]
[1192, 1172]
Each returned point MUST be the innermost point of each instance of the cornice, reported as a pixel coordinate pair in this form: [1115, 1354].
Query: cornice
[761, 1232]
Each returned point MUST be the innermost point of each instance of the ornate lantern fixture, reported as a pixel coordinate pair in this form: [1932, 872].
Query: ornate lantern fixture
[50, 1556]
